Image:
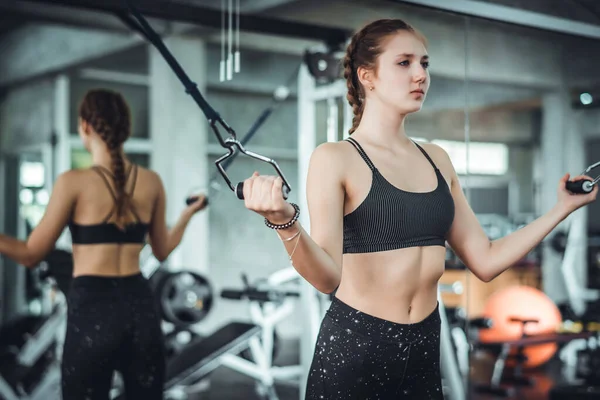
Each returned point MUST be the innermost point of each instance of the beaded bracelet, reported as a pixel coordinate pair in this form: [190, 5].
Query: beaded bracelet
[287, 224]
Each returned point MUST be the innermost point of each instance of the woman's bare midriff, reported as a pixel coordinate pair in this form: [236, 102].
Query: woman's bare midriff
[398, 285]
[106, 259]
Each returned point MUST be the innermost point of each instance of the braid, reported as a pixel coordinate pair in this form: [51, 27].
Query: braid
[362, 51]
[108, 113]
[354, 95]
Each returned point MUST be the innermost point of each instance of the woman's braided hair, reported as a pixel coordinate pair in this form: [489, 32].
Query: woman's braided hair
[109, 115]
[364, 48]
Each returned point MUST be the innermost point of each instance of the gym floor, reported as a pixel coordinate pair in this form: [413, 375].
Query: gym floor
[227, 384]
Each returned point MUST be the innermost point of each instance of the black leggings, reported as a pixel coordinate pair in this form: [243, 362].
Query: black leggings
[359, 356]
[112, 325]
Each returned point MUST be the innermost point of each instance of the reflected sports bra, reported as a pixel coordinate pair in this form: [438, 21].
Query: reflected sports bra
[390, 218]
[108, 232]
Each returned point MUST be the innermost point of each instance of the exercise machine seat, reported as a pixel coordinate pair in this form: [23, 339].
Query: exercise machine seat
[201, 356]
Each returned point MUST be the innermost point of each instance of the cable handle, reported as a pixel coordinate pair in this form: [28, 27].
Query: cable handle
[583, 186]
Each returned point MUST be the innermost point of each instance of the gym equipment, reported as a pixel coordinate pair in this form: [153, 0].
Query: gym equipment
[177, 340]
[559, 241]
[579, 294]
[269, 303]
[202, 356]
[279, 95]
[30, 346]
[582, 363]
[184, 297]
[509, 306]
[231, 144]
[574, 392]
[246, 347]
[503, 349]
[451, 364]
[584, 185]
[324, 67]
[58, 265]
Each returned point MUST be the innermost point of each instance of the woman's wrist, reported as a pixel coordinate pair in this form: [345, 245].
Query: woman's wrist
[187, 214]
[285, 219]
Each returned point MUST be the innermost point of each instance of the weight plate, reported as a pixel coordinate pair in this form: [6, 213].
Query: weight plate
[184, 298]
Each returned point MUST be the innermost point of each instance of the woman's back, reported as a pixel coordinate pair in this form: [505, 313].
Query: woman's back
[100, 247]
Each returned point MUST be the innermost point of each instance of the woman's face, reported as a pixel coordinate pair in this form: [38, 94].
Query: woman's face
[402, 76]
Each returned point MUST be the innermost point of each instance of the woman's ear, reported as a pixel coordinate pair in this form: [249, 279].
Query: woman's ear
[83, 126]
[365, 76]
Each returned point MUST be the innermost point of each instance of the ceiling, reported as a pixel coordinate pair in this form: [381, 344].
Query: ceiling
[577, 10]
[93, 13]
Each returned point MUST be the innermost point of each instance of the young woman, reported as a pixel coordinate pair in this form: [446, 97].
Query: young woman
[110, 209]
[383, 207]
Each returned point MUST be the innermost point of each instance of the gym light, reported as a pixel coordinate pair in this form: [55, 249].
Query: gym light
[586, 99]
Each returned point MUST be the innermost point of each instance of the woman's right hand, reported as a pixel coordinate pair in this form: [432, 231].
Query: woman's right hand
[263, 195]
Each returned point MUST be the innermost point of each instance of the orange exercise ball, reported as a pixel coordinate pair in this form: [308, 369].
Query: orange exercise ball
[523, 302]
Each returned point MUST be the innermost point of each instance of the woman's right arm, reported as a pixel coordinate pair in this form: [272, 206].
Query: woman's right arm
[162, 240]
[318, 257]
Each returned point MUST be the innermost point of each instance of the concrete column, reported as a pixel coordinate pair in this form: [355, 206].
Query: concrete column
[575, 269]
[178, 131]
[521, 185]
[555, 120]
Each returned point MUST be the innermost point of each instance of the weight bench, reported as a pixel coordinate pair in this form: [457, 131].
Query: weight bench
[503, 348]
[201, 357]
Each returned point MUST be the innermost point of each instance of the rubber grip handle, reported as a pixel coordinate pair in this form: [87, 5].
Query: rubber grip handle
[232, 294]
[192, 199]
[481, 323]
[580, 187]
[239, 191]
[252, 295]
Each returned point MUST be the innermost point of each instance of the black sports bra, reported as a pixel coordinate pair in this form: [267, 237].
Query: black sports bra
[108, 232]
[390, 218]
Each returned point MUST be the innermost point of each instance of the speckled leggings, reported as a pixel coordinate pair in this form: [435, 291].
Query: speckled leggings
[362, 357]
[112, 325]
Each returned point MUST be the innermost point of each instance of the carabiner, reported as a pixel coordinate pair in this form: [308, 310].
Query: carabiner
[584, 185]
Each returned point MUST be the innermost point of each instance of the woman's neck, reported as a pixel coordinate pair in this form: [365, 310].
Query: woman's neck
[382, 125]
[101, 156]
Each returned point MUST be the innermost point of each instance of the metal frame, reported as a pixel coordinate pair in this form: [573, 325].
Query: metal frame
[578, 293]
[512, 16]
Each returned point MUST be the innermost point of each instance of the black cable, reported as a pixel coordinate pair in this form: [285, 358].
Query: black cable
[191, 88]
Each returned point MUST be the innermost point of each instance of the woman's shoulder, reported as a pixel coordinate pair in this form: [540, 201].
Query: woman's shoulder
[440, 157]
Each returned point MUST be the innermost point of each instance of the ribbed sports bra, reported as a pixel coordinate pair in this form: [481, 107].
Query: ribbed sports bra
[390, 218]
[108, 232]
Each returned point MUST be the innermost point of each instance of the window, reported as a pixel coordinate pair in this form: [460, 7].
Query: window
[82, 159]
[484, 158]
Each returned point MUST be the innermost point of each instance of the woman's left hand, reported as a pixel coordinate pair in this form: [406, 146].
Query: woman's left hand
[573, 201]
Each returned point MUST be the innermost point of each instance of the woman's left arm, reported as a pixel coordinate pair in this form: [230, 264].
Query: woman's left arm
[488, 259]
[44, 236]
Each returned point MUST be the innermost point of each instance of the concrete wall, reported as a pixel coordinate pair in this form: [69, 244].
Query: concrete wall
[26, 116]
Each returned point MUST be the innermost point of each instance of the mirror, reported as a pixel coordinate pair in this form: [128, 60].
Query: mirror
[531, 118]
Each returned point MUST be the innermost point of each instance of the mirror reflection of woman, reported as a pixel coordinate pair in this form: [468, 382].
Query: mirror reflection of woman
[111, 209]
